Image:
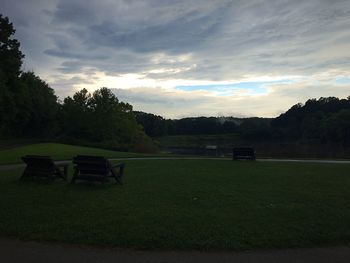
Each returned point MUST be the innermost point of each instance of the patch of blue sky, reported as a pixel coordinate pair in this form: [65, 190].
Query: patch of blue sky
[251, 88]
[342, 80]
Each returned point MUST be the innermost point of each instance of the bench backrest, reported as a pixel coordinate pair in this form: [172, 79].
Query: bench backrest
[91, 165]
[37, 163]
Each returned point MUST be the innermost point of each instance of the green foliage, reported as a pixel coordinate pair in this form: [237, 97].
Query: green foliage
[336, 127]
[10, 55]
[10, 64]
[326, 120]
[156, 126]
[28, 104]
[255, 129]
[316, 121]
[75, 115]
[100, 117]
[199, 125]
[41, 107]
[186, 204]
[144, 144]
[30, 107]
[153, 125]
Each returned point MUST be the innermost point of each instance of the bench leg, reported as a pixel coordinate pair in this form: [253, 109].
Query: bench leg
[59, 173]
[119, 175]
[65, 172]
[52, 177]
[74, 176]
[24, 174]
[119, 180]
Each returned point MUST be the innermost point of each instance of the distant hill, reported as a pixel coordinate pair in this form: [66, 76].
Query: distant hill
[155, 125]
[318, 120]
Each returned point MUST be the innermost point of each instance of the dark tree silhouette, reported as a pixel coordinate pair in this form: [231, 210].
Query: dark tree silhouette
[10, 54]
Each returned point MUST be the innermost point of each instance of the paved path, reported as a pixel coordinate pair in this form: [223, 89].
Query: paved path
[15, 251]
[306, 161]
[16, 166]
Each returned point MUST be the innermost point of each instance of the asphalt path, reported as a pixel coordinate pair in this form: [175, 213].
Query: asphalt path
[15, 251]
[21, 165]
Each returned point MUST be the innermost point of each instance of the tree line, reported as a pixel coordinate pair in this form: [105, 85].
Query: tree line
[30, 108]
[318, 120]
[157, 126]
[323, 120]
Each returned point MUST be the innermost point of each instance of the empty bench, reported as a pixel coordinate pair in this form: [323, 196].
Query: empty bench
[243, 153]
[43, 166]
[96, 168]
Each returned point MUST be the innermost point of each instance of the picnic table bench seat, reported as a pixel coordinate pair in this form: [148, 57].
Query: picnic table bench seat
[96, 168]
[43, 166]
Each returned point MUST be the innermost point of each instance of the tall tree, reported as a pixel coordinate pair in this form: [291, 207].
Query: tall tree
[10, 68]
[10, 54]
[116, 118]
[39, 107]
[76, 115]
[100, 118]
[28, 104]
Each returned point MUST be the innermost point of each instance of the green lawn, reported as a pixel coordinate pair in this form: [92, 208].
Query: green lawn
[58, 152]
[198, 140]
[186, 204]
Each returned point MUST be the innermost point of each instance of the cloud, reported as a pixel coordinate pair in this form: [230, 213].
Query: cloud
[165, 44]
[278, 98]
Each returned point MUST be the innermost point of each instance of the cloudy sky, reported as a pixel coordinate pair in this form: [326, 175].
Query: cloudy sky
[189, 57]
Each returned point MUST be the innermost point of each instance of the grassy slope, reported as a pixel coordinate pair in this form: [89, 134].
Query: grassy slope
[197, 140]
[187, 204]
[56, 151]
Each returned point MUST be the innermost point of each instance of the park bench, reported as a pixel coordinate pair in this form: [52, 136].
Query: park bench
[243, 153]
[43, 166]
[96, 168]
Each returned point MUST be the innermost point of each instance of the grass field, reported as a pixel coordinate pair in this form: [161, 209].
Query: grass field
[186, 204]
[58, 152]
[198, 140]
[264, 149]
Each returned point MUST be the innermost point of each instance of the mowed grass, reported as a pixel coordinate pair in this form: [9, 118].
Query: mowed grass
[197, 140]
[58, 151]
[186, 204]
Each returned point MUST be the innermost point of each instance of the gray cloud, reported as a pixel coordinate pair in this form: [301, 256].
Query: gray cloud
[218, 40]
[225, 38]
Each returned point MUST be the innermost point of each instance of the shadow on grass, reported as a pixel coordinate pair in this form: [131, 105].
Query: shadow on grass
[92, 186]
[38, 181]
[82, 186]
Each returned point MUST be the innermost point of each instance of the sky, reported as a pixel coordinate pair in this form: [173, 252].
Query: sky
[186, 58]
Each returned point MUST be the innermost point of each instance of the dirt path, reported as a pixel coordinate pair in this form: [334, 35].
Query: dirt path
[15, 251]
